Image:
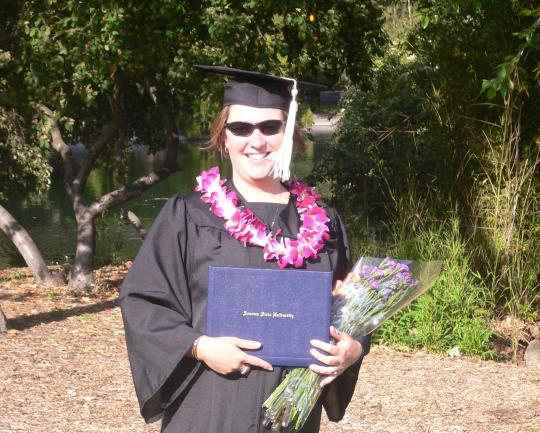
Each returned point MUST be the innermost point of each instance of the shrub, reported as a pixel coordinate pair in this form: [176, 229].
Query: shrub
[455, 311]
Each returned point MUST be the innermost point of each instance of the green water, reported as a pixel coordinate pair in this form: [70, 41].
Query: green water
[50, 221]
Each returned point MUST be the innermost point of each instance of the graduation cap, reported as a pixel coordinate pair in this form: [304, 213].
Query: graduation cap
[259, 90]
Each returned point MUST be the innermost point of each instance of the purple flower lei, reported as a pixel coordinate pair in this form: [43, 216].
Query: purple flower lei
[242, 224]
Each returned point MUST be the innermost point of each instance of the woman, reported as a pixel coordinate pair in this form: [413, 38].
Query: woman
[202, 384]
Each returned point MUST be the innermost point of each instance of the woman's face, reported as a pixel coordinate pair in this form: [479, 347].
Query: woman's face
[252, 157]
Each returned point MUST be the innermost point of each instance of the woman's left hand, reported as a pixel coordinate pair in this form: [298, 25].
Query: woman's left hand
[340, 356]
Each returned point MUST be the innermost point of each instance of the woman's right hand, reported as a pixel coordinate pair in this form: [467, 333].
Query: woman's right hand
[224, 355]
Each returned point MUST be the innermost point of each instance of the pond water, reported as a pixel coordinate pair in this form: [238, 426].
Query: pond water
[50, 220]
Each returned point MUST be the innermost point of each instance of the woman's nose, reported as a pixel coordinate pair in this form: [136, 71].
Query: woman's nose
[257, 138]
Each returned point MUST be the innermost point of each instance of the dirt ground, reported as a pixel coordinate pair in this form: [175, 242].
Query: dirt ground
[64, 368]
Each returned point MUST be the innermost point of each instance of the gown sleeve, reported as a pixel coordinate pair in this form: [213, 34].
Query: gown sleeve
[156, 309]
[338, 394]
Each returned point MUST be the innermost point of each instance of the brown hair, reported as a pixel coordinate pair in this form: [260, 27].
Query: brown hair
[217, 133]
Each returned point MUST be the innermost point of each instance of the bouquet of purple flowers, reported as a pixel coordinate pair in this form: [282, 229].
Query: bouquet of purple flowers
[372, 292]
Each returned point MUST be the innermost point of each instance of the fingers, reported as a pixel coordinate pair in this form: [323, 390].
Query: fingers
[244, 344]
[324, 370]
[335, 333]
[250, 359]
[332, 349]
[245, 361]
[257, 362]
[327, 380]
[225, 355]
[330, 372]
[325, 359]
[336, 358]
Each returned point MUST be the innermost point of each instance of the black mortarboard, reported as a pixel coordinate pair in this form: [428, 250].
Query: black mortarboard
[256, 89]
[259, 90]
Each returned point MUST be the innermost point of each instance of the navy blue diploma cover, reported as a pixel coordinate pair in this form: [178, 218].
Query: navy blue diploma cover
[281, 308]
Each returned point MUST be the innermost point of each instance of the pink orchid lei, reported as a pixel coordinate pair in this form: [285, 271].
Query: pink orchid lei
[241, 223]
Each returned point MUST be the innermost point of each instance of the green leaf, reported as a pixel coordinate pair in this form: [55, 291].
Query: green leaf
[491, 93]
[486, 84]
[425, 21]
[526, 12]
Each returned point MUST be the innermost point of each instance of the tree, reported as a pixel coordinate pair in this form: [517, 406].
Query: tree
[111, 74]
[22, 166]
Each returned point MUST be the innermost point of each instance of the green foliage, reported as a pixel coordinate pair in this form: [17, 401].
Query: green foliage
[508, 206]
[388, 138]
[113, 247]
[23, 164]
[511, 68]
[23, 167]
[463, 29]
[91, 61]
[72, 54]
[455, 311]
[421, 143]
[305, 117]
[524, 19]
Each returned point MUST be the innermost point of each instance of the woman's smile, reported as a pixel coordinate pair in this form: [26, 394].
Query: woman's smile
[257, 156]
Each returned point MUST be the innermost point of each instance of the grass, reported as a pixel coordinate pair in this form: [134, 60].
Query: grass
[456, 310]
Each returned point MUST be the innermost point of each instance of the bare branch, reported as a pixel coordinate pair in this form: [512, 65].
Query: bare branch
[62, 148]
[172, 139]
[134, 220]
[108, 133]
[134, 189]
[28, 249]
[170, 165]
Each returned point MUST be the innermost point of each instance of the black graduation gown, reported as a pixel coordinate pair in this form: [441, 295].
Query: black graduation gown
[163, 302]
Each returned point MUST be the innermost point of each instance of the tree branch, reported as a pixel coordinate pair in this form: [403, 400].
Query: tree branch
[171, 128]
[62, 148]
[170, 165]
[134, 189]
[108, 133]
[134, 220]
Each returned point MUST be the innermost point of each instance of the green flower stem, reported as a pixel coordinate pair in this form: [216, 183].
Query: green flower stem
[306, 390]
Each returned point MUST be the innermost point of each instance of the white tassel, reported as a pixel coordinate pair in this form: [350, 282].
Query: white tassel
[284, 154]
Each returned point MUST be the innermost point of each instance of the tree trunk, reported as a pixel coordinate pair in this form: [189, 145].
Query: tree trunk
[81, 276]
[28, 250]
[3, 322]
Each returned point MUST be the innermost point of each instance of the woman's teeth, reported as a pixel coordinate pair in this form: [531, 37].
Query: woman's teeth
[257, 156]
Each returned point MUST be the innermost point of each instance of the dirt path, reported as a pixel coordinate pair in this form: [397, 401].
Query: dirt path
[64, 369]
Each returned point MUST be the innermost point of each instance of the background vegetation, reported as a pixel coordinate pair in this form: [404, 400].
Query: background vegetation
[437, 157]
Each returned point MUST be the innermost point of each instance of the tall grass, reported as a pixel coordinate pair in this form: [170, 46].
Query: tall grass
[456, 310]
[507, 215]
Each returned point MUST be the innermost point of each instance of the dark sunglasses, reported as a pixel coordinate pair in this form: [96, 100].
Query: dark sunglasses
[245, 129]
